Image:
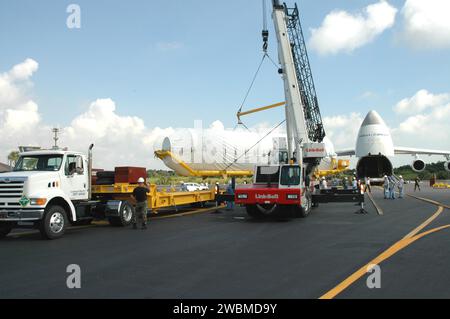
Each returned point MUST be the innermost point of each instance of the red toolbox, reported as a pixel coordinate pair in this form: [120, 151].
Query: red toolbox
[129, 175]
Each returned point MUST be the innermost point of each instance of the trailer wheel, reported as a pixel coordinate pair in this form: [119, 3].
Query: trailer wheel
[125, 217]
[54, 223]
[254, 212]
[5, 228]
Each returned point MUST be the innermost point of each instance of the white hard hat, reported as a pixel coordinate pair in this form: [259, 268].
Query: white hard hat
[141, 180]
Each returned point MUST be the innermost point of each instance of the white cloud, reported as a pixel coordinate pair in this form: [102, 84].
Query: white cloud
[12, 82]
[428, 123]
[421, 101]
[344, 32]
[119, 140]
[22, 118]
[343, 129]
[23, 71]
[18, 113]
[426, 23]
[169, 46]
[367, 95]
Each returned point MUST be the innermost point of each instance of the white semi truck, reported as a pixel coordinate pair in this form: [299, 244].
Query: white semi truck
[51, 189]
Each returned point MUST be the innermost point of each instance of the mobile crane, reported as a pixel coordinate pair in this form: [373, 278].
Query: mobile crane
[284, 189]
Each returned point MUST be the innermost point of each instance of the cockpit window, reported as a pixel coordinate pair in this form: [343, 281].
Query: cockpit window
[45, 163]
[290, 175]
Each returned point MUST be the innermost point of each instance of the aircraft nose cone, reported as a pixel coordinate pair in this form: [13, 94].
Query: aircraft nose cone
[373, 118]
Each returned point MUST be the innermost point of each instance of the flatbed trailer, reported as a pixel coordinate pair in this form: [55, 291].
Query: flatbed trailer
[156, 200]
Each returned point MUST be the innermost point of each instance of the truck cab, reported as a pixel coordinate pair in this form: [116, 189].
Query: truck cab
[44, 185]
[277, 190]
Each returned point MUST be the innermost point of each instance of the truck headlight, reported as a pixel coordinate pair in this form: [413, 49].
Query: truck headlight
[38, 201]
[292, 196]
[242, 196]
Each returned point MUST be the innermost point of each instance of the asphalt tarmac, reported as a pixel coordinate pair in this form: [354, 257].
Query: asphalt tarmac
[228, 255]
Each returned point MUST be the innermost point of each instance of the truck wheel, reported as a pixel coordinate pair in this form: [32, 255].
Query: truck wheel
[254, 212]
[5, 228]
[54, 224]
[305, 210]
[125, 217]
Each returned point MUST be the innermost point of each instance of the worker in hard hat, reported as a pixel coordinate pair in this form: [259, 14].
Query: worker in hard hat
[217, 192]
[230, 191]
[367, 186]
[345, 183]
[140, 196]
[392, 183]
[401, 185]
[354, 184]
[386, 187]
[323, 184]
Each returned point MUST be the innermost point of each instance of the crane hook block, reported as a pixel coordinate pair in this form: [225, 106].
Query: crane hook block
[265, 36]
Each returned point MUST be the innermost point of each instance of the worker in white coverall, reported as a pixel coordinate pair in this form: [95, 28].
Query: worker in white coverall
[386, 187]
[401, 184]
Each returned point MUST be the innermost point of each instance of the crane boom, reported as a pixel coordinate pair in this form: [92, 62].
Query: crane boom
[296, 128]
[307, 87]
[303, 118]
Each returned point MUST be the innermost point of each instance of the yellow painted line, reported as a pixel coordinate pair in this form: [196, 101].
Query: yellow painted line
[425, 223]
[382, 257]
[429, 201]
[406, 241]
[100, 223]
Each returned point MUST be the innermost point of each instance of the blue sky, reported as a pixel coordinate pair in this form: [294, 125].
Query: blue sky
[115, 54]
[171, 62]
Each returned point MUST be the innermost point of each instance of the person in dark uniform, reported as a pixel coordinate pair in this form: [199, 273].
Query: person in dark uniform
[140, 195]
[417, 184]
[217, 192]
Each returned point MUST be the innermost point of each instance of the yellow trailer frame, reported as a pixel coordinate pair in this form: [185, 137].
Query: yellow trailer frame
[156, 199]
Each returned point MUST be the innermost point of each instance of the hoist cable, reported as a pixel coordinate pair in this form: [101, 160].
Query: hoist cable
[252, 83]
[256, 144]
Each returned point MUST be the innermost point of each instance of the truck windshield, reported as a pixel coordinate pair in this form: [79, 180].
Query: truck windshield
[267, 174]
[44, 163]
[290, 175]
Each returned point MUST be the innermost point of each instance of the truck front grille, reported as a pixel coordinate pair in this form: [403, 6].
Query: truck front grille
[11, 190]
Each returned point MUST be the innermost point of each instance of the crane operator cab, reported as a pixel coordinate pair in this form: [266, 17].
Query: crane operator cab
[284, 176]
[290, 176]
